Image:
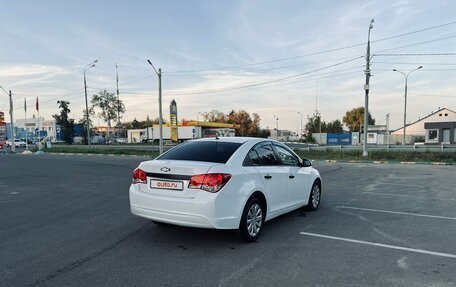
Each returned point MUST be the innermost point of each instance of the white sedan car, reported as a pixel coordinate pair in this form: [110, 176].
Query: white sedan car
[224, 183]
[17, 143]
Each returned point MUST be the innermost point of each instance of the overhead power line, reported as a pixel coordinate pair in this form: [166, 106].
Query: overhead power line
[416, 63]
[315, 53]
[416, 31]
[419, 43]
[417, 54]
[261, 83]
[427, 95]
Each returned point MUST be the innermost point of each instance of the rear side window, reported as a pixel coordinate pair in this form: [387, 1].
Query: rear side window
[208, 151]
[266, 155]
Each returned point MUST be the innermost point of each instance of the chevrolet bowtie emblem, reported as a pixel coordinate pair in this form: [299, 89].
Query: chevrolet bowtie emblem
[165, 169]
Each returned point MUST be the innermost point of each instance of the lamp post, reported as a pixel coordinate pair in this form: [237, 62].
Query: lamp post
[405, 96]
[366, 88]
[277, 127]
[301, 126]
[160, 121]
[13, 144]
[88, 66]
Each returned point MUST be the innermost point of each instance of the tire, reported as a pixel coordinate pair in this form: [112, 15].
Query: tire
[314, 197]
[252, 220]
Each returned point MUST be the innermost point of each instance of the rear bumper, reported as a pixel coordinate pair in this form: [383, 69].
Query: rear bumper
[206, 210]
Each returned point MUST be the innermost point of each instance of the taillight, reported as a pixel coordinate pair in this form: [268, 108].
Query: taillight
[211, 182]
[139, 176]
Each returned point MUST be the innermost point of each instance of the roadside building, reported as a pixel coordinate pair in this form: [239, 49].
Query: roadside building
[440, 132]
[26, 128]
[417, 131]
[283, 135]
[186, 130]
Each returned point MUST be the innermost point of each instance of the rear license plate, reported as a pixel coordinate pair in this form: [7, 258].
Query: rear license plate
[166, 184]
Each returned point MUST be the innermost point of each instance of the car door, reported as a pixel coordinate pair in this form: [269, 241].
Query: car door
[298, 176]
[273, 175]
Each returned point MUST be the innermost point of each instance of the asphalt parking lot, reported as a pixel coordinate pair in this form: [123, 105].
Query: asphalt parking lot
[65, 221]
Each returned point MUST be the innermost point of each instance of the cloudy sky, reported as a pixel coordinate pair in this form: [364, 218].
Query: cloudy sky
[269, 57]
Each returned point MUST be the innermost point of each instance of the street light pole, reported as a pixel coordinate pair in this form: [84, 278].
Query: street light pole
[366, 88]
[277, 127]
[301, 126]
[160, 121]
[91, 65]
[405, 96]
[387, 131]
[10, 95]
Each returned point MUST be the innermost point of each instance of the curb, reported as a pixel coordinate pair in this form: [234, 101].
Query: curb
[97, 154]
[387, 162]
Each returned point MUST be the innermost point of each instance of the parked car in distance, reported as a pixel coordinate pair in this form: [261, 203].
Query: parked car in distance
[120, 140]
[17, 143]
[224, 183]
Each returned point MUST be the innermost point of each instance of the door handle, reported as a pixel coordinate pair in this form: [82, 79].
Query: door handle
[267, 176]
[291, 176]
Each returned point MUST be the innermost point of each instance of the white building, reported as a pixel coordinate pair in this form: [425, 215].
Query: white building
[32, 123]
[416, 130]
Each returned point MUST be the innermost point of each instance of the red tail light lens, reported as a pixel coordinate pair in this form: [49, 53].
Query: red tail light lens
[211, 182]
[139, 176]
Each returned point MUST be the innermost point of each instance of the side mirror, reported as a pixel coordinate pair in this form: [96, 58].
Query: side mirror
[306, 163]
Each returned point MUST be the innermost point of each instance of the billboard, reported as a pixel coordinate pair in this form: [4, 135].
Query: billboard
[2, 127]
[173, 121]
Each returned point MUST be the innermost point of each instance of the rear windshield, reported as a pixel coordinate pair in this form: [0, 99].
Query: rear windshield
[208, 151]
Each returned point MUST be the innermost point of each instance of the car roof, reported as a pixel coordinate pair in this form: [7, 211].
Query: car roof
[233, 139]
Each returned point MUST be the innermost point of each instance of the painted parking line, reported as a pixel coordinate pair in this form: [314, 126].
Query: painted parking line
[421, 251]
[397, 212]
[405, 195]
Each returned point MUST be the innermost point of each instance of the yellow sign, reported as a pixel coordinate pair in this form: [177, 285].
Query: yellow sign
[173, 121]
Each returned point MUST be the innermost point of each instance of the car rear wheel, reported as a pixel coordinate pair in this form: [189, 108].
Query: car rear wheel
[252, 220]
[314, 197]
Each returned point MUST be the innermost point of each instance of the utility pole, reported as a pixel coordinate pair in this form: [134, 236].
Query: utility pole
[277, 127]
[405, 96]
[13, 144]
[301, 125]
[316, 110]
[87, 105]
[366, 88]
[160, 121]
[387, 131]
[118, 100]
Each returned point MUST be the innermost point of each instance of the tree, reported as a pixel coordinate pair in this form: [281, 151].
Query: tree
[83, 123]
[63, 120]
[335, 126]
[249, 125]
[108, 106]
[313, 123]
[215, 116]
[354, 119]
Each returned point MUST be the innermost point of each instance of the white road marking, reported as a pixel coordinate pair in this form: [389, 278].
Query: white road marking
[397, 212]
[404, 195]
[380, 245]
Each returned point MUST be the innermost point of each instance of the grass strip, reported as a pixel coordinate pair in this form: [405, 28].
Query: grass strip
[400, 156]
[116, 151]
